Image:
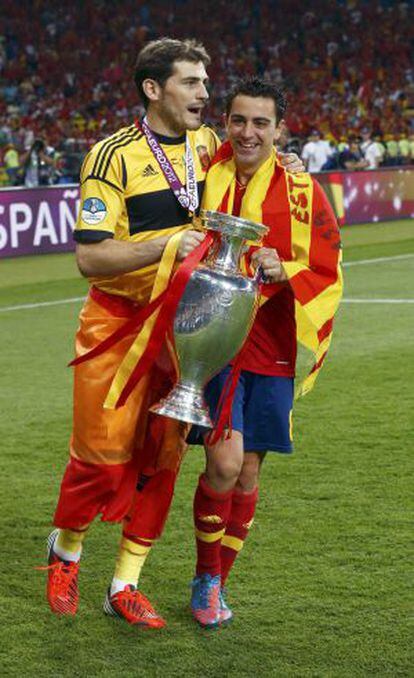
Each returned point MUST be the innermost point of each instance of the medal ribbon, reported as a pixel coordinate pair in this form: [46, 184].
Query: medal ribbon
[188, 196]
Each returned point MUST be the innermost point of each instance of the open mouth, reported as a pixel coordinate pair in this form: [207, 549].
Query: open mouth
[196, 110]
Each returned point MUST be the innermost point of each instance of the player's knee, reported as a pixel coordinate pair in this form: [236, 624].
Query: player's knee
[224, 469]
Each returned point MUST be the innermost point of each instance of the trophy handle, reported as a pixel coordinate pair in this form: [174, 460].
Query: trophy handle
[259, 276]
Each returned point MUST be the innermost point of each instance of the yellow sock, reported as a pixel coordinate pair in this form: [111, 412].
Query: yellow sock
[129, 563]
[68, 544]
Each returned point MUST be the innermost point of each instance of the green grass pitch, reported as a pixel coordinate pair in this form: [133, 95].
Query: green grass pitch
[322, 588]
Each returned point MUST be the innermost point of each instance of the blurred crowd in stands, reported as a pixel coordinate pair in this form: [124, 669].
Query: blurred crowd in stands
[346, 68]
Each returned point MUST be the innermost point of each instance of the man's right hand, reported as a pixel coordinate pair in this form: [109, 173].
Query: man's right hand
[190, 240]
[271, 265]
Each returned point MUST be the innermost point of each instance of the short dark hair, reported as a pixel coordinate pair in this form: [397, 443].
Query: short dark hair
[156, 60]
[253, 86]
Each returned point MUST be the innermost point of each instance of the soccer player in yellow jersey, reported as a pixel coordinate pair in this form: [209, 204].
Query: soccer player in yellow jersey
[128, 214]
[139, 187]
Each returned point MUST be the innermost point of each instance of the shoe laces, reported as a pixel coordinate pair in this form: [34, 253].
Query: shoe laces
[64, 573]
[131, 596]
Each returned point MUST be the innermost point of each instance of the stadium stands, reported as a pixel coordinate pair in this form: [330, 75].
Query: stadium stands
[66, 69]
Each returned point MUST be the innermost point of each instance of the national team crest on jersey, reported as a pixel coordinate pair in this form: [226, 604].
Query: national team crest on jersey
[205, 159]
[93, 211]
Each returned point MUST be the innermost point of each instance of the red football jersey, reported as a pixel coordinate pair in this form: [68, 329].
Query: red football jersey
[271, 346]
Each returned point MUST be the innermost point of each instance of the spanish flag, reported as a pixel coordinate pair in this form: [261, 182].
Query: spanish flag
[303, 230]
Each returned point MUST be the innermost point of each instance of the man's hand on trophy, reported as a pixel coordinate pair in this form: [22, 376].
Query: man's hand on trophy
[268, 260]
[190, 240]
[291, 162]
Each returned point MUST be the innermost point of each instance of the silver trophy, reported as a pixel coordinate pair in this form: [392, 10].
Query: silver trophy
[213, 318]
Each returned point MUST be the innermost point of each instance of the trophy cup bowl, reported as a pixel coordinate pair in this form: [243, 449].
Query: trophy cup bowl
[213, 318]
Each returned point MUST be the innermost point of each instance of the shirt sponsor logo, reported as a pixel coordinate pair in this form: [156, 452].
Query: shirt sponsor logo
[149, 171]
[93, 211]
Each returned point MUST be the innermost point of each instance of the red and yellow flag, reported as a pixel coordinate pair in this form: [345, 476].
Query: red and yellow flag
[303, 230]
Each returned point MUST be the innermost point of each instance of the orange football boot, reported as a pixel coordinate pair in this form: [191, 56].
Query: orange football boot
[131, 605]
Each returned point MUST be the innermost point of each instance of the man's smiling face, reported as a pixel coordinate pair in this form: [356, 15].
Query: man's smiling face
[252, 129]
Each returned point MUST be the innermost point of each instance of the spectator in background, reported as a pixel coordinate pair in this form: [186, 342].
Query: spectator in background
[411, 146]
[371, 150]
[68, 163]
[316, 152]
[392, 155]
[342, 73]
[382, 148]
[286, 142]
[404, 150]
[11, 164]
[37, 165]
[351, 158]
[343, 145]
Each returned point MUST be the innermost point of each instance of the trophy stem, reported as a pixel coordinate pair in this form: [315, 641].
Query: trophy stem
[230, 251]
[185, 403]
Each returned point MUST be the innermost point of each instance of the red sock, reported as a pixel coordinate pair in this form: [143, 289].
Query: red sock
[211, 511]
[240, 520]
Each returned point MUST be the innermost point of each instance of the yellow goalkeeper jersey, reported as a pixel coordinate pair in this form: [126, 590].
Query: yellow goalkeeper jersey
[124, 195]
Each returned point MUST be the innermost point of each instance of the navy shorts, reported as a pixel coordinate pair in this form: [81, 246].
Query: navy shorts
[262, 409]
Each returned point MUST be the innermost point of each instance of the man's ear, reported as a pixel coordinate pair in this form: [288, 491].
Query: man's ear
[280, 130]
[151, 89]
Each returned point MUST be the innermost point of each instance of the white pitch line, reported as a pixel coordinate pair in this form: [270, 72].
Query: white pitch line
[72, 300]
[360, 262]
[377, 301]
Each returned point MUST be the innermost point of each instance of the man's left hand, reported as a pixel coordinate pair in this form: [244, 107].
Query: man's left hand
[270, 263]
[291, 162]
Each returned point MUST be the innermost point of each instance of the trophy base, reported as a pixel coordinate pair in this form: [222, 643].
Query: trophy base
[184, 403]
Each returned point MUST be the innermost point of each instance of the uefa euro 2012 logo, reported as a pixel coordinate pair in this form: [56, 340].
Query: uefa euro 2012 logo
[93, 211]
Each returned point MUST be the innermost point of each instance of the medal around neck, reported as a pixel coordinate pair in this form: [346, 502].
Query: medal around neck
[214, 316]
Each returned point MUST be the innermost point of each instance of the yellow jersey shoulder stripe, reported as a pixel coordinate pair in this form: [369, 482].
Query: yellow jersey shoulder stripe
[99, 148]
[135, 136]
[105, 152]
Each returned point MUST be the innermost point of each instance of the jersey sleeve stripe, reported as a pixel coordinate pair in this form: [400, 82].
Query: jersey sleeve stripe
[124, 172]
[112, 145]
[119, 134]
[108, 143]
[137, 136]
[103, 151]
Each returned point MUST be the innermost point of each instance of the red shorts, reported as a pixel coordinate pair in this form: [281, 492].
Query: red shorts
[110, 448]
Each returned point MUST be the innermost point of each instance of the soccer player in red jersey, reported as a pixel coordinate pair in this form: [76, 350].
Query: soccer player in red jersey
[299, 261]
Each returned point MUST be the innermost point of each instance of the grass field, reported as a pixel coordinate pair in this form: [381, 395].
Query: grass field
[322, 588]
